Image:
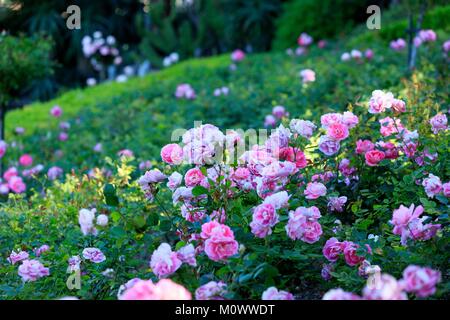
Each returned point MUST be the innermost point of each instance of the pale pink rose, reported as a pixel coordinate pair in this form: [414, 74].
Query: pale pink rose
[308, 75]
[417, 41]
[3, 148]
[273, 293]
[330, 118]
[219, 248]
[164, 261]
[304, 39]
[398, 44]
[175, 180]
[86, 220]
[446, 46]
[439, 122]
[187, 255]
[54, 172]
[446, 189]
[165, 289]
[337, 131]
[303, 225]
[102, 220]
[278, 200]
[346, 56]
[339, 294]
[172, 154]
[19, 256]
[9, 173]
[349, 119]
[421, 281]
[328, 146]
[182, 194]
[264, 218]
[385, 287]
[270, 121]
[32, 270]
[74, 263]
[17, 185]
[380, 101]
[56, 111]
[363, 146]
[193, 177]
[315, 190]
[185, 90]
[432, 185]
[303, 127]
[125, 153]
[63, 136]
[356, 54]
[241, 173]
[388, 126]
[151, 177]
[350, 255]
[373, 157]
[398, 105]
[427, 35]
[26, 160]
[4, 188]
[94, 255]
[208, 227]
[211, 291]
[333, 249]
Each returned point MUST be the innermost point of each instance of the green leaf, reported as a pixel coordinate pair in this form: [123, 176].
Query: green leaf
[199, 190]
[110, 195]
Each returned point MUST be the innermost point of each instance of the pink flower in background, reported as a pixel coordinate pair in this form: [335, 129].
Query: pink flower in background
[278, 200]
[351, 257]
[98, 147]
[346, 56]
[19, 256]
[32, 270]
[427, 35]
[102, 220]
[26, 160]
[237, 55]
[303, 224]
[328, 119]
[337, 131]
[273, 293]
[172, 154]
[54, 172]
[56, 111]
[3, 148]
[421, 281]
[17, 185]
[9, 173]
[304, 128]
[193, 177]
[439, 122]
[211, 291]
[336, 203]
[264, 218]
[304, 39]
[145, 165]
[380, 101]
[175, 180]
[390, 126]
[187, 255]
[41, 250]
[349, 119]
[270, 121]
[356, 54]
[446, 189]
[4, 188]
[321, 44]
[446, 46]
[398, 105]
[125, 153]
[363, 146]
[165, 289]
[279, 112]
[432, 185]
[333, 249]
[328, 146]
[398, 44]
[373, 157]
[315, 190]
[164, 261]
[94, 255]
[339, 294]
[63, 136]
[308, 75]
[368, 54]
[86, 220]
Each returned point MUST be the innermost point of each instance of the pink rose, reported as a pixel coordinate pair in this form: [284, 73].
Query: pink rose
[94, 255]
[187, 255]
[272, 293]
[175, 180]
[19, 256]
[337, 131]
[386, 287]
[54, 172]
[172, 154]
[432, 185]
[264, 218]
[351, 258]
[185, 90]
[17, 185]
[339, 294]
[304, 39]
[164, 261]
[11, 172]
[380, 101]
[165, 289]
[421, 281]
[241, 173]
[304, 128]
[193, 177]
[31, 270]
[278, 200]
[398, 105]
[332, 249]
[315, 190]
[328, 146]
[439, 122]
[279, 112]
[211, 291]
[219, 247]
[56, 111]
[3, 147]
[25, 160]
[363, 146]
[446, 189]
[308, 75]
[270, 121]
[349, 119]
[237, 55]
[328, 119]
[373, 157]
[63, 136]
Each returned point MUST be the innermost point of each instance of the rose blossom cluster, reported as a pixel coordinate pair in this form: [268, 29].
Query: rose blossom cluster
[101, 51]
[185, 90]
[30, 269]
[381, 101]
[357, 55]
[398, 45]
[337, 128]
[303, 224]
[433, 186]
[333, 249]
[420, 281]
[409, 225]
[86, 219]
[424, 36]
[165, 262]
[12, 182]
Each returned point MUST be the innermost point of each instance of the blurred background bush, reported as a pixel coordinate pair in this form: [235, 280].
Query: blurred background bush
[148, 31]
